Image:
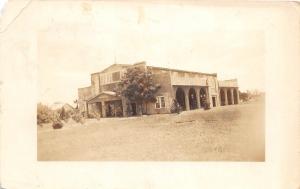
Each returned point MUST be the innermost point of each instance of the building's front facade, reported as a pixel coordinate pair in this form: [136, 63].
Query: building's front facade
[190, 89]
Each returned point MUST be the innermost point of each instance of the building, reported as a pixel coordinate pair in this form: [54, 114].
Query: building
[191, 90]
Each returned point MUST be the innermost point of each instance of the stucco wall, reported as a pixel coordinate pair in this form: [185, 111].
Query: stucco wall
[95, 83]
[188, 79]
[165, 90]
[228, 83]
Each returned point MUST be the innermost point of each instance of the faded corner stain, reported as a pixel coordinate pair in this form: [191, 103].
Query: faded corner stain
[86, 7]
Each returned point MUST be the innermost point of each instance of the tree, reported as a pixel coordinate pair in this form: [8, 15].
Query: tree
[244, 96]
[137, 86]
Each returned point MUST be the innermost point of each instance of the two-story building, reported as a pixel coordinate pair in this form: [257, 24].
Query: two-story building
[191, 90]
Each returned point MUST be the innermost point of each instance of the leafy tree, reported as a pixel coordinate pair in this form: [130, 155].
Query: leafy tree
[244, 96]
[137, 86]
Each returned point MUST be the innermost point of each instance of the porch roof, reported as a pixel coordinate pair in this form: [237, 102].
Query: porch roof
[104, 96]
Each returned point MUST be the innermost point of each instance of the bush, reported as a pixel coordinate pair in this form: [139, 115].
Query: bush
[64, 115]
[57, 125]
[77, 117]
[44, 114]
[93, 115]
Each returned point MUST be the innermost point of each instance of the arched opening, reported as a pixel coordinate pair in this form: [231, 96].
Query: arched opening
[192, 99]
[235, 96]
[202, 97]
[180, 98]
[222, 96]
[229, 97]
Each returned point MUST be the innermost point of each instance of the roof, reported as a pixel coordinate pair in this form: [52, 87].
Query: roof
[94, 98]
[177, 70]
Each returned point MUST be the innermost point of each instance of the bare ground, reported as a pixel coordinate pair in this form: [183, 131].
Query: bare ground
[230, 133]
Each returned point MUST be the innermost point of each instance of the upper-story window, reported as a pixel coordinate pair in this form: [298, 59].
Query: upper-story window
[116, 76]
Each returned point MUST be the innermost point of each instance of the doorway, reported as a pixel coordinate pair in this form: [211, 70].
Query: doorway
[214, 101]
[133, 109]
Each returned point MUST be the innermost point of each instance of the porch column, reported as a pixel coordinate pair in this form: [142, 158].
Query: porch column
[86, 109]
[186, 97]
[198, 98]
[103, 109]
[124, 107]
[208, 97]
[232, 97]
[238, 95]
[226, 99]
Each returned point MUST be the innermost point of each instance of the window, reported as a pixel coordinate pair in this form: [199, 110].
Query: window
[116, 76]
[160, 102]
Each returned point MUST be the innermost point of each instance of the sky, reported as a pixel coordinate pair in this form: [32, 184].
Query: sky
[2, 3]
[82, 38]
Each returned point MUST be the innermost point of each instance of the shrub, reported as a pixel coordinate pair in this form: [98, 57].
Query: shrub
[44, 114]
[57, 125]
[77, 117]
[64, 115]
[93, 115]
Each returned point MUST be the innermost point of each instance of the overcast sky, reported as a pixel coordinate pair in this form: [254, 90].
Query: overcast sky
[2, 3]
[86, 38]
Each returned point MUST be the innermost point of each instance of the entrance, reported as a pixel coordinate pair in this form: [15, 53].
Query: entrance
[192, 99]
[180, 97]
[229, 97]
[133, 109]
[214, 101]
[114, 108]
[222, 96]
[99, 108]
[202, 97]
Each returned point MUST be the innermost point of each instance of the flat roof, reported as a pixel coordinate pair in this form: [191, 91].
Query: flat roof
[177, 70]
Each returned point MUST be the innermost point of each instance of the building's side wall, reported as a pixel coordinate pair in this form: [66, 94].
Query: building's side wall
[95, 83]
[213, 90]
[162, 78]
[229, 83]
[188, 79]
[109, 87]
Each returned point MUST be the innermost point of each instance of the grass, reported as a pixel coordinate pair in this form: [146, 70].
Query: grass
[230, 133]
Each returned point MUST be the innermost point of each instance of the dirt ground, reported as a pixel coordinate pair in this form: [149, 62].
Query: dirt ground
[229, 133]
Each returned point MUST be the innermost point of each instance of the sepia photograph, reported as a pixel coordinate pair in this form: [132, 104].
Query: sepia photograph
[149, 83]
[149, 94]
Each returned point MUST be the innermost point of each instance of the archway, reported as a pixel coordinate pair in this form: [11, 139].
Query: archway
[229, 97]
[192, 99]
[180, 97]
[235, 96]
[202, 97]
[222, 96]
